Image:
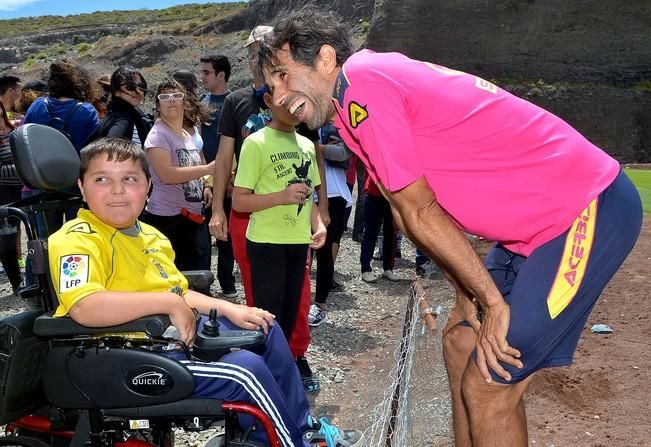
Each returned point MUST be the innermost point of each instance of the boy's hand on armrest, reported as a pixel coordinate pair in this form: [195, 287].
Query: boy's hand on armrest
[182, 318]
[111, 308]
[251, 318]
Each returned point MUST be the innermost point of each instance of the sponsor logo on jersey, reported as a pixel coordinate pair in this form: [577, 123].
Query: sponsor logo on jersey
[73, 272]
[574, 260]
[357, 114]
[160, 269]
[81, 227]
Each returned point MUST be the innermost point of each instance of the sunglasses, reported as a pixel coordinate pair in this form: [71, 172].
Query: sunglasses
[171, 96]
[132, 86]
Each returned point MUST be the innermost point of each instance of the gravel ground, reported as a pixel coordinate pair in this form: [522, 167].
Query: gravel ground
[352, 352]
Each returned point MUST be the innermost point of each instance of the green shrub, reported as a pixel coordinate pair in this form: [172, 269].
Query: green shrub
[83, 48]
[644, 86]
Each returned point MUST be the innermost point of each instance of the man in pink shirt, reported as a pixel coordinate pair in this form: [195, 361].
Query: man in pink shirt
[453, 152]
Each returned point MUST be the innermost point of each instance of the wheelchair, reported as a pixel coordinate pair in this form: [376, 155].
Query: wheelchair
[63, 384]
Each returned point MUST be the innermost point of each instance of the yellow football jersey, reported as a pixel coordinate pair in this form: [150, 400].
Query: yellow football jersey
[88, 256]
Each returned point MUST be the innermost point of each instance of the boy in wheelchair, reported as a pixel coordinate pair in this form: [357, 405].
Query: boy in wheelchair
[108, 269]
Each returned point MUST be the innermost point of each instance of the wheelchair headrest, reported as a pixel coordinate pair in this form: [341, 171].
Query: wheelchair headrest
[44, 157]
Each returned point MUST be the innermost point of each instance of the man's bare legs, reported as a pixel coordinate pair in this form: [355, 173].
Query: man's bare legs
[496, 410]
[484, 415]
[458, 343]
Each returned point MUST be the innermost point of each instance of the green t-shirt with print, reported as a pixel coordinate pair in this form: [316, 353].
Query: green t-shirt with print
[270, 161]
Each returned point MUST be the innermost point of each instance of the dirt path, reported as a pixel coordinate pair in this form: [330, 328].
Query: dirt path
[603, 399]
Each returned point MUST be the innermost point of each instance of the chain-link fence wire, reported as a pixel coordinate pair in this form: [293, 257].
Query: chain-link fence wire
[415, 409]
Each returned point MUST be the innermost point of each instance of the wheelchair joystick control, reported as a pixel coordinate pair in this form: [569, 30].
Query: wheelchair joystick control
[211, 327]
[210, 344]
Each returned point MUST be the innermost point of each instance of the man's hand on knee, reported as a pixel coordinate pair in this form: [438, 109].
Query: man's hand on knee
[492, 346]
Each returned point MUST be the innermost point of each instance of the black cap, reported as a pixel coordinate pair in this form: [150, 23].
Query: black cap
[36, 85]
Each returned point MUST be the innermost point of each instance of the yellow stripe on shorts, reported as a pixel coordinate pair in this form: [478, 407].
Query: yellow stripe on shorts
[574, 261]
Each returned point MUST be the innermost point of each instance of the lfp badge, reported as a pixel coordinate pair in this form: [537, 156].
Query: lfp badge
[73, 272]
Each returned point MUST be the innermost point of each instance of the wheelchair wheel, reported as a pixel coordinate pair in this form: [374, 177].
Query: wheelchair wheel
[21, 441]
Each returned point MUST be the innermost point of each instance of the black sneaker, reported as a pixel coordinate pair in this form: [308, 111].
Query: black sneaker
[229, 293]
[310, 382]
[316, 316]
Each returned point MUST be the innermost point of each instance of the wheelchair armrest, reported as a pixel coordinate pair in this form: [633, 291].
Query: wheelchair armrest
[48, 326]
[199, 279]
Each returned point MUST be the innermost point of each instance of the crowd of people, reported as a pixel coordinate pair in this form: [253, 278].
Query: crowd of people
[228, 170]
[265, 173]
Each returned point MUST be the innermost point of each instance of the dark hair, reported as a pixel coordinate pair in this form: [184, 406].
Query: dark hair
[115, 149]
[186, 79]
[195, 113]
[7, 82]
[306, 31]
[5, 118]
[70, 80]
[219, 63]
[125, 75]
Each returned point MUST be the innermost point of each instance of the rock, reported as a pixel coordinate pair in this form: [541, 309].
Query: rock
[601, 329]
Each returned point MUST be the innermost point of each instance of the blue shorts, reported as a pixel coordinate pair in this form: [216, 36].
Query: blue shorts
[552, 292]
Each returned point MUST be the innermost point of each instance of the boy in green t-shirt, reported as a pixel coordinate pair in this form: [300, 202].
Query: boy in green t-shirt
[275, 181]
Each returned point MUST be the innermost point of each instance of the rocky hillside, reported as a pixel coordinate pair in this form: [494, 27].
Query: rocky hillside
[588, 61]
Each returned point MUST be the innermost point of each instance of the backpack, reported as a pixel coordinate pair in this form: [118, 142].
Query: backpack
[61, 124]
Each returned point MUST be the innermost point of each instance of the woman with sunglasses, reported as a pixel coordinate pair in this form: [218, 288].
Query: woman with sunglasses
[124, 119]
[178, 167]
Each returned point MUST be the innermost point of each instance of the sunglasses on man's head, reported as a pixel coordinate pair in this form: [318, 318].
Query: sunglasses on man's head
[170, 96]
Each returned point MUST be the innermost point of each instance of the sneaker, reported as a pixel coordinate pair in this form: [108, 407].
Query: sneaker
[316, 316]
[229, 293]
[369, 277]
[310, 382]
[323, 434]
[388, 274]
[336, 286]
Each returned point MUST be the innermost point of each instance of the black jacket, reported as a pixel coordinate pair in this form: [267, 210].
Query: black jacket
[119, 122]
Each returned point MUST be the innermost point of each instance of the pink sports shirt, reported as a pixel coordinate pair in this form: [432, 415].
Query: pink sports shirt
[501, 167]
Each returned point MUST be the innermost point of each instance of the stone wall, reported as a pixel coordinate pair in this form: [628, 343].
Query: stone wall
[598, 49]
